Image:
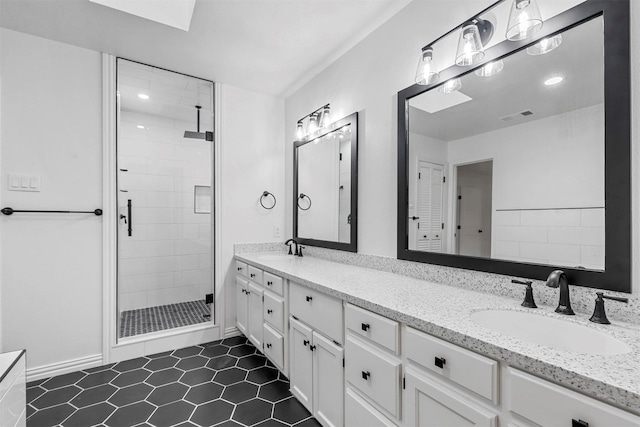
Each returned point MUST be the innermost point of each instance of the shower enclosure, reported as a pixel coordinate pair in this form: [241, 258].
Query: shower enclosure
[164, 153]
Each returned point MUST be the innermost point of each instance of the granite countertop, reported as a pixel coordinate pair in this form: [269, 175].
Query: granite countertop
[444, 311]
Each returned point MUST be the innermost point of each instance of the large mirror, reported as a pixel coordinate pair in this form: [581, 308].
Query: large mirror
[509, 168]
[325, 187]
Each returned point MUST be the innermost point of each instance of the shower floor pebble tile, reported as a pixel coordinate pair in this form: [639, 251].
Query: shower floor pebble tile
[222, 383]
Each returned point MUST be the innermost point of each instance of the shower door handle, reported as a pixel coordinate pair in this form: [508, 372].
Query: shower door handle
[129, 216]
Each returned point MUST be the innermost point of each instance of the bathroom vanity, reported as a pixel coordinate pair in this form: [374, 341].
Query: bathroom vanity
[368, 347]
[13, 389]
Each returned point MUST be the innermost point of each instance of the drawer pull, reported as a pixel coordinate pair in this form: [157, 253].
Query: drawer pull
[269, 311]
[305, 342]
[440, 362]
[312, 347]
[247, 292]
[239, 268]
[244, 291]
[579, 423]
[365, 327]
[309, 298]
[269, 283]
[268, 345]
[366, 375]
[252, 275]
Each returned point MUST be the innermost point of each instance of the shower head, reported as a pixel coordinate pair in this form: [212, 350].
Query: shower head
[198, 135]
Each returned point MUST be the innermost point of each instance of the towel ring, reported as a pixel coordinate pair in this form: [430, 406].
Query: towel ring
[267, 194]
[304, 196]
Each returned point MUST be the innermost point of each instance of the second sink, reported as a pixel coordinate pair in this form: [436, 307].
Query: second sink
[551, 332]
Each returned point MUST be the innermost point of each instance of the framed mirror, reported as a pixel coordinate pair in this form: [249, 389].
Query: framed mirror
[525, 170]
[325, 187]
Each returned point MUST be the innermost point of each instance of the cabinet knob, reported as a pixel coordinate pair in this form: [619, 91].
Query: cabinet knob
[269, 283]
[252, 275]
[309, 298]
[239, 268]
[247, 292]
[365, 326]
[440, 362]
[269, 311]
[579, 423]
[312, 347]
[305, 342]
[268, 345]
[366, 375]
[244, 291]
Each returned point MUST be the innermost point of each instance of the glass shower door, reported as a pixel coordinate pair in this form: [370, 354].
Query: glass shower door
[164, 182]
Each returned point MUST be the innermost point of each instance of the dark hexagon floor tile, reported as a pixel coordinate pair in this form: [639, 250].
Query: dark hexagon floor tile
[214, 351]
[131, 364]
[229, 423]
[188, 351]
[197, 376]
[30, 410]
[36, 382]
[309, 422]
[242, 350]
[187, 424]
[172, 414]
[33, 393]
[131, 394]
[90, 416]
[162, 363]
[93, 395]
[158, 355]
[233, 341]
[51, 416]
[271, 423]
[131, 377]
[130, 415]
[167, 394]
[212, 413]
[164, 377]
[97, 378]
[230, 376]
[204, 393]
[63, 380]
[222, 362]
[263, 375]
[99, 368]
[290, 411]
[252, 411]
[56, 397]
[192, 362]
[252, 362]
[275, 391]
[240, 392]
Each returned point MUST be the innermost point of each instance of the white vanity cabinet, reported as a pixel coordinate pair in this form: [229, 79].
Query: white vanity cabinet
[13, 389]
[316, 358]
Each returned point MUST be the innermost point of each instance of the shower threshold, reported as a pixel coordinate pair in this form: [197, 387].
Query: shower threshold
[162, 317]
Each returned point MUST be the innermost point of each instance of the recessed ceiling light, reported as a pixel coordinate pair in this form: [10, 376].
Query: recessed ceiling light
[143, 96]
[140, 127]
[553, 81]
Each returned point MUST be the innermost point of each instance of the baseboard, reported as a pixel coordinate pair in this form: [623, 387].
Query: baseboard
[232, 332]
[65, 367]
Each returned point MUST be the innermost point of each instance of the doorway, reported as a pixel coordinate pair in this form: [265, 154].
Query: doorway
[473, 208]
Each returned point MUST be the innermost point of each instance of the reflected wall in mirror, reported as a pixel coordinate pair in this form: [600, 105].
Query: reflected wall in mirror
[524, 158]
[513, 172]
[325, 187]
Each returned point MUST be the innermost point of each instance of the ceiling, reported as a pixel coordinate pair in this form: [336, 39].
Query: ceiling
[269, 46]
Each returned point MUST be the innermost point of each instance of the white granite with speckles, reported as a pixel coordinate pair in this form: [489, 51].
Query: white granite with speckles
[444, 310]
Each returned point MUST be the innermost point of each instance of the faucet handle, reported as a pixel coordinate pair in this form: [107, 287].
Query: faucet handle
[300, 248]
[528, 294]
[599, 315]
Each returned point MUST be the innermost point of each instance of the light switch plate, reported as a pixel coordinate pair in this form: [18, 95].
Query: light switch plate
[20, 182]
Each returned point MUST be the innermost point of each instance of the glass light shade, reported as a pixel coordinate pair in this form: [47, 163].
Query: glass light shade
[312, 126]
[326, 116]
[545, 45]
[490, 69]
[299, 131]
[524, 20]
[450, 86]
[426, 74]
[470, 50]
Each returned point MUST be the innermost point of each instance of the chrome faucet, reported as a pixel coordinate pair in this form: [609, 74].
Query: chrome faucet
[558, 278]
[288, 243]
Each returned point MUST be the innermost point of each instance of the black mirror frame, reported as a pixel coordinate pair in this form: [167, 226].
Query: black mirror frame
[617, 100]
[352, 246]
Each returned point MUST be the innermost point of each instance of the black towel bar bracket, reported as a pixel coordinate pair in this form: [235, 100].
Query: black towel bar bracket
[11, 211]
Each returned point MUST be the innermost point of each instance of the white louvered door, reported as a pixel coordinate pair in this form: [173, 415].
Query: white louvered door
[429, 204]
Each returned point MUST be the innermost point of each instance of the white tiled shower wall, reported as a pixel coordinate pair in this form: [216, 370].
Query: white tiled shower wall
[569, 237]
[168, 257]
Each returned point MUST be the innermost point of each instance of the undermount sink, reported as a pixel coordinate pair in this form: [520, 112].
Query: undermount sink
[275, 257]
[551, 332]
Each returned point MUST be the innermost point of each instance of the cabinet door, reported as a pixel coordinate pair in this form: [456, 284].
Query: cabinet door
[241, 305]
[430, 403]
[328, 381]
[301, 363]
[255, 315]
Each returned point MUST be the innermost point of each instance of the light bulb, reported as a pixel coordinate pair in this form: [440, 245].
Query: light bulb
[545, 45]
[426, 74]
[490, 69]
[470, 50]
[313, 124]
[326, 116]
[299, 130]
[450, 86]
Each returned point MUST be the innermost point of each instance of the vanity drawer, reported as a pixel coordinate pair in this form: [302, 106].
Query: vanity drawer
[274, 311]
[274, 347]
[255, 274]
[273, 283]
[357, 412]
[466, 368]
[551, 405]
[241, 268]
[317, 310]
[374, 373]
[377, 328]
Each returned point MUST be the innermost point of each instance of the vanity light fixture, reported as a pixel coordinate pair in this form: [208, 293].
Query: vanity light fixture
[545, 45]
[451, 86]
[143, 96]
[553, 81]
[470, 45]
[426, 74]
[490, 69]
[317, 119]
[524, 20]
[326, 116]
